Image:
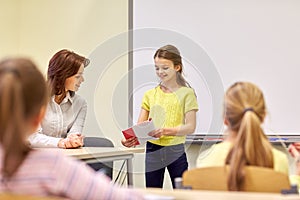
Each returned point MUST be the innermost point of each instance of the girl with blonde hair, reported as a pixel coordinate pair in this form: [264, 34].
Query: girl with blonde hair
[245, 142]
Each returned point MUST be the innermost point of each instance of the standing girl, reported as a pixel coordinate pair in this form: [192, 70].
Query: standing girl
[172, 105]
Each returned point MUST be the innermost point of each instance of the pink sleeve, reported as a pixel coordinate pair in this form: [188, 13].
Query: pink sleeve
[76, 180]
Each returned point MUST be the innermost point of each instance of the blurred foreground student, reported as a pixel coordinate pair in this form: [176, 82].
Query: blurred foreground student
[40, 172]
[172, 105]
[66, 111]
[246, 143]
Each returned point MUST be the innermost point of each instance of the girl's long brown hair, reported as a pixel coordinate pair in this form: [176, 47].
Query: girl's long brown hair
[23, 92]
[245, 111]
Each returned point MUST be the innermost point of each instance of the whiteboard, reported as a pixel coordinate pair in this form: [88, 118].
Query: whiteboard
[222, 42]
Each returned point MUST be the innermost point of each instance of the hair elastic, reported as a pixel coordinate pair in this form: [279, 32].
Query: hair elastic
[10, 70]
[248, 109]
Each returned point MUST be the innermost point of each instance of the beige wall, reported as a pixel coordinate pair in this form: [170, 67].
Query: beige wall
[9, 27]
[49, 25]
[38, 29]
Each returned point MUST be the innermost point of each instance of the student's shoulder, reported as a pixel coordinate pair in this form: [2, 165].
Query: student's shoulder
[187, 90]
[151, 91]
[214, 156]
[279, 154]
[222, 147]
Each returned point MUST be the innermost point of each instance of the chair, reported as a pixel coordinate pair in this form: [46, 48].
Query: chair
[257, 179]
[106, 167]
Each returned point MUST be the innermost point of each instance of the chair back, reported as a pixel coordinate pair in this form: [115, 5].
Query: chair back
[257, 179]
[97, 142]
[106, 167]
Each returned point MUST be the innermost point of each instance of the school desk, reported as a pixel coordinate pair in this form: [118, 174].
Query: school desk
[176, 194]
[106, 154]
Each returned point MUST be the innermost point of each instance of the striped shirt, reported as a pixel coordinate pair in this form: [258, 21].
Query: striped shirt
[48, 172]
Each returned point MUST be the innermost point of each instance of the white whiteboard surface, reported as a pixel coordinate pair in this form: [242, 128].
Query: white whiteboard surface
[247, 40]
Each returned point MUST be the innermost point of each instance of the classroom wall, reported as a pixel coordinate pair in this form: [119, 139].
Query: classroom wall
[38, 29]
[9, 23]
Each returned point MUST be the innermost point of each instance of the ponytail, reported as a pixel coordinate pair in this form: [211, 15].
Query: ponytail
[251, 146]
[12, 122]
[23, 92]
[181, 80]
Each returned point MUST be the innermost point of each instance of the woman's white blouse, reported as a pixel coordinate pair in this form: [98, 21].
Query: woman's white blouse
[60, 120]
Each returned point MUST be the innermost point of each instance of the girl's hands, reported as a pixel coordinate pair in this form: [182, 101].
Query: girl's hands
[157, 133]
[294, 150]
[130, 142]
[297, 145]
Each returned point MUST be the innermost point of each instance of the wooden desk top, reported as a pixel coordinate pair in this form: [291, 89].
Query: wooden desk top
[88, 152]
[161, 194]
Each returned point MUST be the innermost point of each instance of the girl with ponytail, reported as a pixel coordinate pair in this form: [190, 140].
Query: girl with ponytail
[23, 95]
[246, 142]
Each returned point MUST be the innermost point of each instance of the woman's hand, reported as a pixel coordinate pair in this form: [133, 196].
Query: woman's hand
[130, 142]
[72, 141]
[61, 143]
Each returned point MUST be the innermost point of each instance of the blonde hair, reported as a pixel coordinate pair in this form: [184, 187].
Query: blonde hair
[244, 109]
[23, 92]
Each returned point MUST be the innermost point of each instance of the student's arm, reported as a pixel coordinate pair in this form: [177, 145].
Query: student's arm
[144, 115]
[185, 129]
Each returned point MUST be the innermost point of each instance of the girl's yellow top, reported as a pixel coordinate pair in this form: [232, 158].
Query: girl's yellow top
[168, 110]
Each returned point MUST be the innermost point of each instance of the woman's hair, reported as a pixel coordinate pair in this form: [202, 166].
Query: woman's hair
[171, 53]
[23, 92]
[244, 109]
[63, 65]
